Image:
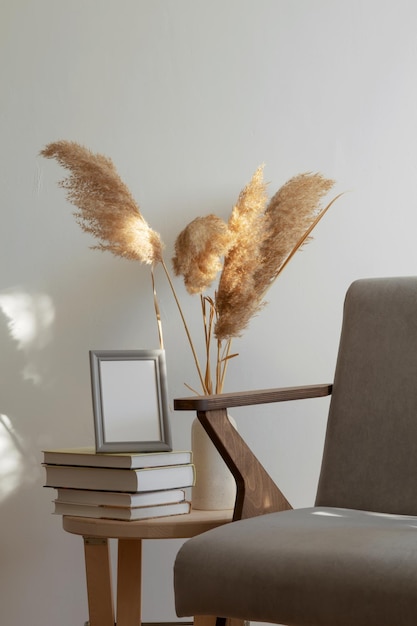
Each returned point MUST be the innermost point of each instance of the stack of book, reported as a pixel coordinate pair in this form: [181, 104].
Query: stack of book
[121, 486]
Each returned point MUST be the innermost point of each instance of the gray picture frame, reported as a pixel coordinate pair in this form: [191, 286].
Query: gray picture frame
[130, 401]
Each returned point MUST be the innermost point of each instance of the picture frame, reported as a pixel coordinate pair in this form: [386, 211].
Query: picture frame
[130, 400]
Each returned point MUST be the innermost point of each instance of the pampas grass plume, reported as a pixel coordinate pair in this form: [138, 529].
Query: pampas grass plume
[106, 208]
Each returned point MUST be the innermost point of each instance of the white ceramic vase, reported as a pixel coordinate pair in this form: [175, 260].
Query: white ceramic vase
[215, 487]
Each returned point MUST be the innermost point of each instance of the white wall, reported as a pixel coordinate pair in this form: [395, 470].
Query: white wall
[187, 97]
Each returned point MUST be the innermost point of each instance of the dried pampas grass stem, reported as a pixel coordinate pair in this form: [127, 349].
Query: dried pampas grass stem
[108, 211]
[263, 238]
[248, 252]
[290, 216]
[236, 300]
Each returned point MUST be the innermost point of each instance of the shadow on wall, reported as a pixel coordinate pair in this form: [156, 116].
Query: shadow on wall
[28, 319]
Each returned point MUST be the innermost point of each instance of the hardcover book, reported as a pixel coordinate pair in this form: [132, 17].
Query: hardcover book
[87, 456]
[116, 479]
[119, 498]
[121, 513]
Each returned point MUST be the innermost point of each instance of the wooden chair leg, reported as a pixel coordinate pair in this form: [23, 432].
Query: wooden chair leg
[99, 586]
[204, 620]
[209, 620]
[129, 582]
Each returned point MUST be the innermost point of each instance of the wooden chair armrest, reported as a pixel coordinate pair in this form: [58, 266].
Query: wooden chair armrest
[246, 398]
[256, 493]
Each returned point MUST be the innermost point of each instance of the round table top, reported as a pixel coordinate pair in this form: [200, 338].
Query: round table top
[172, 527]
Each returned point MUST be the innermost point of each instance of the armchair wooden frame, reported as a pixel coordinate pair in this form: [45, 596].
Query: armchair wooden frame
[256, 493]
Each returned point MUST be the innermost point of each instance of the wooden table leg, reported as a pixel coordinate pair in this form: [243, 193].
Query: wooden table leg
[99, 587]
[129, 582]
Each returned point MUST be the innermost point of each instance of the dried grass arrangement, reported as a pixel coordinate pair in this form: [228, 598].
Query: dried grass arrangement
[247, 253]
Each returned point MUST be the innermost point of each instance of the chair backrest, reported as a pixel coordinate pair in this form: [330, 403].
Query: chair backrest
[370, 452]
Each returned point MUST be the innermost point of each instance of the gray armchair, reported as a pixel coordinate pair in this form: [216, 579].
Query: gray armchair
[350, 560]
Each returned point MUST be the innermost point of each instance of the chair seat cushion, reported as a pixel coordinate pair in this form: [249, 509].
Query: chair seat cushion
[306, 567]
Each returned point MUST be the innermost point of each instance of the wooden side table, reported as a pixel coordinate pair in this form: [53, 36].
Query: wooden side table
[97, 532]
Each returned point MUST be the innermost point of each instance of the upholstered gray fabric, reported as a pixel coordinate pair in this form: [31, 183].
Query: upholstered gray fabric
[370, 459]
[336, 564]
[327, 566]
